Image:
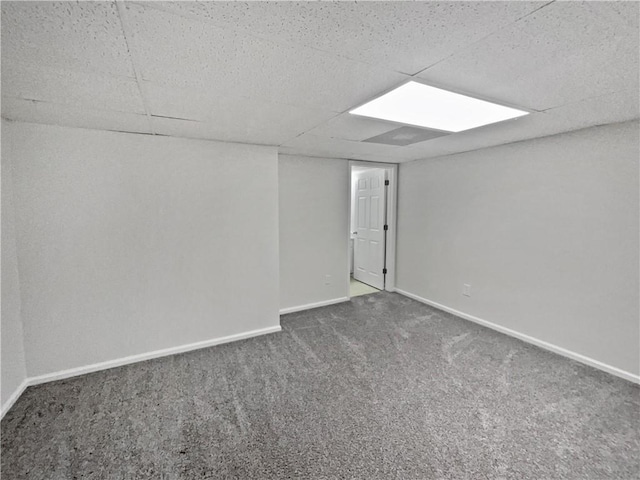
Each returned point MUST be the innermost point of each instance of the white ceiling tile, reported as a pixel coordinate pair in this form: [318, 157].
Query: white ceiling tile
[281, 73]
[242, 118]
[184, 53]
[536, 124]
[624, 13]
[308, 143]
[410, 36]
[564, 52]
[80, 89]
[401, 36]
[191, 129]
[84, 36]
[213, 131]
[55, 114]
[320, 146]
[351, 127]
[612, 108]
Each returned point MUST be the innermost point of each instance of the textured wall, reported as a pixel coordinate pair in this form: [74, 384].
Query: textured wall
[131, 243]
[13, 360]
[545, 231]
[314, 222]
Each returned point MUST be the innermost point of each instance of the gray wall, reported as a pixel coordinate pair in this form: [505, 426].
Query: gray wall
[314, 222]
[13, 371]
[129, 244]
[545, 231]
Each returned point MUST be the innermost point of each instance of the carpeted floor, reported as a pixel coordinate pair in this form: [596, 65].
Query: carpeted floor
[381, 387]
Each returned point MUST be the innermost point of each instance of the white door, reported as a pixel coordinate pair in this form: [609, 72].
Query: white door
[368, 260]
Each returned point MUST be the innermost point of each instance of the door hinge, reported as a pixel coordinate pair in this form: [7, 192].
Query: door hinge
[386, 182]
[384, 271]
[386, 227]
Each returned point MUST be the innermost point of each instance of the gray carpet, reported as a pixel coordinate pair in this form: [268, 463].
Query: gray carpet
[381, 387]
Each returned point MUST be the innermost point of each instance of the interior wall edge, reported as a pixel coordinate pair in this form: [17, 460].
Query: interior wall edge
[528, 339]
[13, 361]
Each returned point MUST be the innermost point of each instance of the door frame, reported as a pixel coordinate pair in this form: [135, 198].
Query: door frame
[392, 209]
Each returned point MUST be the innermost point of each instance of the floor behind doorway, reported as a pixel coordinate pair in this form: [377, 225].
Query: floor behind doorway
[357, 288]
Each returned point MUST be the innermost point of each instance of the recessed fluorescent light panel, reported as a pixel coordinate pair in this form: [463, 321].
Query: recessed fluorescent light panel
[417, 104]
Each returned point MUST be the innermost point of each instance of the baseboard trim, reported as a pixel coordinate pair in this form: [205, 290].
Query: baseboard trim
[309, 306]
[526, 338]
[74, 372]
[14, 396]
[165, 352]
[95, 367]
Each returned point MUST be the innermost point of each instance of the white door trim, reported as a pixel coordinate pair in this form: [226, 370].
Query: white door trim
[392, 202]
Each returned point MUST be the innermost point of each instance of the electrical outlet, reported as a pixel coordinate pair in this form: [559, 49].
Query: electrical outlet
[466, 290]
[327, 279]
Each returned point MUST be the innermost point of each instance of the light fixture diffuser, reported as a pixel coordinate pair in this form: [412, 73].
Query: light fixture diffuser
[424, 106]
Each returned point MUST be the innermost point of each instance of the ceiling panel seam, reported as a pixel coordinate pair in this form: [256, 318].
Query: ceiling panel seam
[128, 38]
[158, 7]
[584, 99]
[73, 106]
[312, 128]
[462, 49]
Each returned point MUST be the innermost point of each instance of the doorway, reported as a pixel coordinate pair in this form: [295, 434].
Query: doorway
[372, 227]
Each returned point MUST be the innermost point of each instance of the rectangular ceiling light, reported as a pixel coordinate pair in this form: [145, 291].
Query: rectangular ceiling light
[417, 104]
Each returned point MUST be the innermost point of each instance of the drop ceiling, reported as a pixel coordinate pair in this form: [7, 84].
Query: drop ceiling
[286, 73]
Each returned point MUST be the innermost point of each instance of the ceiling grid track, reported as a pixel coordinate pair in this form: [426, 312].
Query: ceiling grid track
[295, 74]
[415, 75]
[128, 38]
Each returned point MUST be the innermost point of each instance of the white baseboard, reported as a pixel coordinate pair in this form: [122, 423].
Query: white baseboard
[73, 372]
[14, 396]
[309, 306]
[532, 340]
